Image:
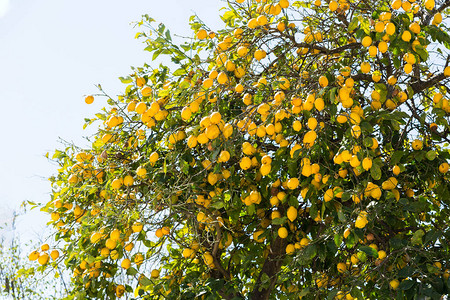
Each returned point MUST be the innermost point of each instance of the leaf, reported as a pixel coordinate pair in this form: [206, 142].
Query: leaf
[338, 239]
[353, 24]
[417, 237]
[375, 172]
[279, 221]
[406, 271]
[365, 24]
[396, 157]
[217, 205]
[406, 285]
[341, 216]
[431, 155]
[304, 292]
[127, 79]
[131, 271]
[179, 72]
[369, 251]
[439, 35]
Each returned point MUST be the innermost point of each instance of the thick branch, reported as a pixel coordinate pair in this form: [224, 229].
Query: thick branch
[419, 86]
[271, 267]
[324, 50]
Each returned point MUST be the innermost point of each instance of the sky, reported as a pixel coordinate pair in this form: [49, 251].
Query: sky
[52, 54]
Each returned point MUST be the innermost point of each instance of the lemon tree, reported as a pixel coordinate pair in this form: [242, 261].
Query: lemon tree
[301, 151]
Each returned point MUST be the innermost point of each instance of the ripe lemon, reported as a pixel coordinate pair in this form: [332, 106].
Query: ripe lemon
[396, 4]
[259, 54]
[141, 172]
[394, 284]
[444, 167]
[292, 213]
[341, 267]
[366, 41]
[309, 138]
[222, 78]
[293, 183]
[262, 20]
[437, 19]
[153, 157]
[447, 71]
[257, 236]
[43, 259]
[202, 34]
[110, 244]
[319, 104]
[417, 144]
[360, 222]
[89, 99]
[323, 81]
[284, 83]
[429, 4]
[290, 249]
[242, 51]
[333, 5]
[396, 170]
[245, 163]
[328, 195]
[390, 28]
[33, 255]
[389, 184]
[312, 123]
[252, 23]
[54, 254]
[356, 131]
[224, 156]
[128, 180]
[406, 36]
[365, 67]
[154, 273]
[354, 259]
[188, 253]
[383, 47]
[392, 80]
[282, 232]
[116, 184]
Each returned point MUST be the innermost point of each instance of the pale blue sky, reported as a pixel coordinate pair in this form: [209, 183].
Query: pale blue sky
[52, 53]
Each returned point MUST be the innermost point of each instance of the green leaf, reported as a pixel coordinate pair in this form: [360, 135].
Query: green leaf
[338, 239]
[431, 155]
[369, 251]
[365, 24]
[417, 237]
[353, 24]
[375, 172]
[341, 216]
[406, 285]
[308, 253]
[396, 157]
[279, 221]
[127, 79]
[131, 271]
[179, 72]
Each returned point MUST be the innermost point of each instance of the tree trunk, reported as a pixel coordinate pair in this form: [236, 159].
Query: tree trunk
[271, 267]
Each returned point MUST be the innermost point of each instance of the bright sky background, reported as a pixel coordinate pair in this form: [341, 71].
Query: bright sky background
[52, 53]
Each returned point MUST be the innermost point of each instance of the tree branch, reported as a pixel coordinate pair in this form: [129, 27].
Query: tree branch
[435, 11]
[419, 86]
[271, 267]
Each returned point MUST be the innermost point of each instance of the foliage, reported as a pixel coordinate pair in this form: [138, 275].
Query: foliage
[17, 277]
[299, 152]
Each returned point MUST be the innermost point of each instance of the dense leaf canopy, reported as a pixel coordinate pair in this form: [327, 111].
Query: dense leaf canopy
[301, 151]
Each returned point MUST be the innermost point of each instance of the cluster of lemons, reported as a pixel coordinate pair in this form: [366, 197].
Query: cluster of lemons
[243, 120]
